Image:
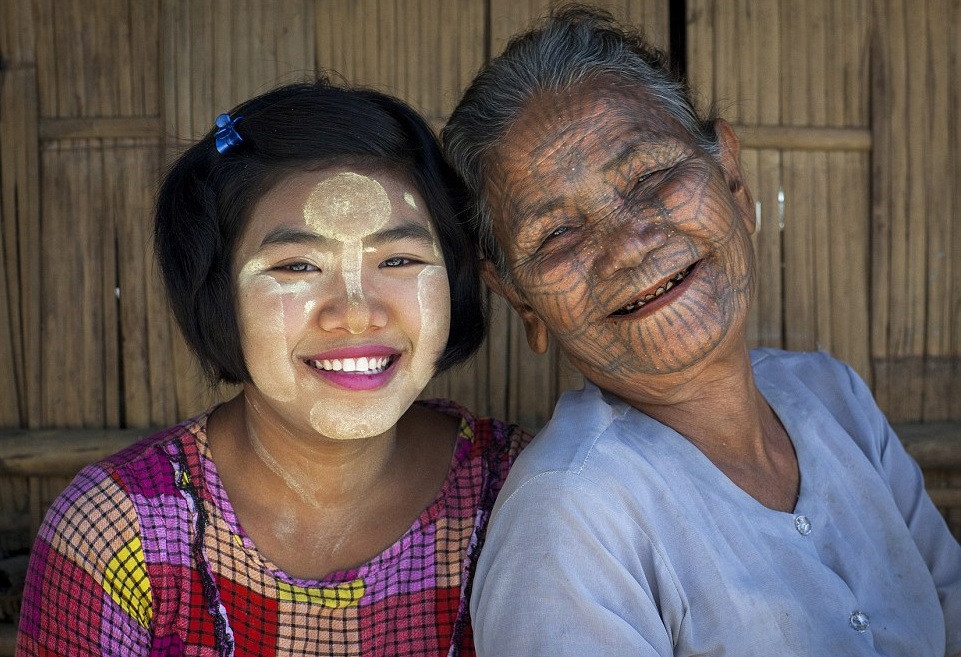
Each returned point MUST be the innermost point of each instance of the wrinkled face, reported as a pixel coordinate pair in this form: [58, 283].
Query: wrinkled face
[343, 301]
[625, 241]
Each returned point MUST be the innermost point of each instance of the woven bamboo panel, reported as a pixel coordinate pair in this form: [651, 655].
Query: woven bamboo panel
[97, 97]
[916, 233]
[793, 79]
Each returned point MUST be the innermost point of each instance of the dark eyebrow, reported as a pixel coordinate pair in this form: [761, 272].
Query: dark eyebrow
[288, 235]
[405, 231]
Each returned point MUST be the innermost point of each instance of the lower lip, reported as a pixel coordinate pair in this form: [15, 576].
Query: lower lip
[357, 380]
[666, 298]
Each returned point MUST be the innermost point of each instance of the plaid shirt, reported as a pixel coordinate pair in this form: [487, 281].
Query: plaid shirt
[142, 555]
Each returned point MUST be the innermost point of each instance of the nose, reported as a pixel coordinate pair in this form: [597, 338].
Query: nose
[352, 305]
[627, 244]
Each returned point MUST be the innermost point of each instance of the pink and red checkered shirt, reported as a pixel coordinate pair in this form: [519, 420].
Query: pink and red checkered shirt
[143, 555]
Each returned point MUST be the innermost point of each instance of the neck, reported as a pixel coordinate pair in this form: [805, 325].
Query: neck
[719, 408]
[723, 413]
[319, 471]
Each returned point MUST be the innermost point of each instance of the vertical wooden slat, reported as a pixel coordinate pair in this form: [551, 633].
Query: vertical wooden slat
[885, 64]
[953, 255]
[768, 240]
[700, 49]
[19, 213]
[939, 157]
[914, 210]
[799, 259]
[912, 269]
[770, 63]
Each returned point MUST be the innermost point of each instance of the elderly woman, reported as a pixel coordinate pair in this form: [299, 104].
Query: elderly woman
[695, 497]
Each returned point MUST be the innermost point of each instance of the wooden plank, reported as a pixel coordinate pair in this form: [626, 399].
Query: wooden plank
[700, 49]
[824, 139]
[13, 165]
[161, 332]
[885, 95]
[728, 61]
[848, 250]
[104, 409]
[938, 177]
[129, 184]
[72, 256]
[769, 299]
[466, 47]
[800, 331]
[100, 128]
[60, 453]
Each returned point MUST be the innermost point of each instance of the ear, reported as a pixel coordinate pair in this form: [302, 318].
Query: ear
[537, 335]
[730, 160]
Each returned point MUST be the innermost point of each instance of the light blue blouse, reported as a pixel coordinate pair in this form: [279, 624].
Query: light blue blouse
[614, 535]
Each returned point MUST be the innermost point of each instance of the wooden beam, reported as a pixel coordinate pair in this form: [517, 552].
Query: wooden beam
[799, 138]
[149, 127]
[60, 452]
[932, 444]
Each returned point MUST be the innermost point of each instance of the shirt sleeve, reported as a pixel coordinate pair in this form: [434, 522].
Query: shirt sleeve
[87, 590]
[934, 540]
[561, 574]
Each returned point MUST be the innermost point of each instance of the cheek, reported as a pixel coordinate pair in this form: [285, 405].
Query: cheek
[433, 301]
[268, 309]
[271, 317]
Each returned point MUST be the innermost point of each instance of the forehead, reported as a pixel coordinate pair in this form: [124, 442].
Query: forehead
[336, 199]
[559, 136]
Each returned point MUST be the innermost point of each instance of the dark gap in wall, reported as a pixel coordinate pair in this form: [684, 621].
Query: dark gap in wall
[677, 22]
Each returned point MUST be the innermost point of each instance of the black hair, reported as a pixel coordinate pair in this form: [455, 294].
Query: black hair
[206, 198]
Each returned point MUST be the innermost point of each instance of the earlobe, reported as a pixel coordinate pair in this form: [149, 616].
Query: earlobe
[730, 160]
[537, 336]
[536, 330]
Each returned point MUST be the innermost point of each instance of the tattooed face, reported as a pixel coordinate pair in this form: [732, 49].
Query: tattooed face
[625, 241]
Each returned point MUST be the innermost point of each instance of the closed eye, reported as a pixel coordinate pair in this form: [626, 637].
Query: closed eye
[650, 179]
[650, 175]
[554, 234]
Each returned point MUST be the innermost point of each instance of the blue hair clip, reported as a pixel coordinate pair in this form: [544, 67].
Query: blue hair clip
[227, 136]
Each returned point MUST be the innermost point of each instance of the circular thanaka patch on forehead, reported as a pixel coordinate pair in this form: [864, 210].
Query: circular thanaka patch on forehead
[347, 207]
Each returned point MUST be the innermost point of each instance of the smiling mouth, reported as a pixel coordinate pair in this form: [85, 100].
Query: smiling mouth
[658, 292]
[362, 365]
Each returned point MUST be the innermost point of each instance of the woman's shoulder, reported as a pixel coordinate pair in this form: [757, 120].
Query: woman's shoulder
[114, 487]
[137, 466]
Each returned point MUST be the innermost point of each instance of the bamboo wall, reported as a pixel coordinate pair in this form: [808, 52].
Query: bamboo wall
[848, 113]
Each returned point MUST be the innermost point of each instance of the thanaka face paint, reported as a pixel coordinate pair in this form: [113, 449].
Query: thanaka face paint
[343, 301]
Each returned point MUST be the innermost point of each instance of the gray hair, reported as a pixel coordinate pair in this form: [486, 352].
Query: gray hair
[575, 43]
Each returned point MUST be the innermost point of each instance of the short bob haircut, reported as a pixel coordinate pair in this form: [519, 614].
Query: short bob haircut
[573, 44]
[206, 199]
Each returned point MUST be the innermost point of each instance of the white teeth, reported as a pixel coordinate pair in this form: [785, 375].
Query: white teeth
[362, 365]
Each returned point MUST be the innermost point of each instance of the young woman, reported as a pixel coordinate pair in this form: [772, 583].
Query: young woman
[311, 250]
